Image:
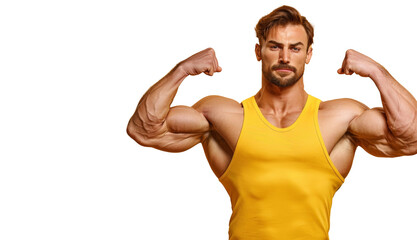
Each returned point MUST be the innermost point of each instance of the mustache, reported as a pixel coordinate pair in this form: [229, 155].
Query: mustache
[283, 66]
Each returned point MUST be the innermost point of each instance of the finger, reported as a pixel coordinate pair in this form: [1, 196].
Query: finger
[347, 70]
[209, 72]
[340, 71]
[343, 67]
[217, 68]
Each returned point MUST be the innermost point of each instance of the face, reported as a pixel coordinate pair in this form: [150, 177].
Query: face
[284, 54]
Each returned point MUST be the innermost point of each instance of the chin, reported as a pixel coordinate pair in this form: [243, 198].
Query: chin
[283, 83]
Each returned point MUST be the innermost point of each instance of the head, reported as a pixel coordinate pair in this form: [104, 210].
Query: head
[285, 39]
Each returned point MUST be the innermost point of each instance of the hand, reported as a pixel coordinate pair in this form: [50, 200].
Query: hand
[201, 62]
[358, 63]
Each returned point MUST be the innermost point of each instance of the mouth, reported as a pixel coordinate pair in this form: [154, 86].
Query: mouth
[283, 69]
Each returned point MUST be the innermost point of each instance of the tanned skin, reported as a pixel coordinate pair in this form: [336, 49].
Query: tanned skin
[216, 121]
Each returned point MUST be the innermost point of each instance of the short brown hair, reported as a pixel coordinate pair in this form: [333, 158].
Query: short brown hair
[283, 16]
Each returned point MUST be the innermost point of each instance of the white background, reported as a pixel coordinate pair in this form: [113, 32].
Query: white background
[72, 73]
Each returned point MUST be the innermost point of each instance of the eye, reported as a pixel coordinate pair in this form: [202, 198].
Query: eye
[274, 47]
[296, 49]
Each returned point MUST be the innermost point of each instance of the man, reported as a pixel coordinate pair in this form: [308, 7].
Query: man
[281, 154]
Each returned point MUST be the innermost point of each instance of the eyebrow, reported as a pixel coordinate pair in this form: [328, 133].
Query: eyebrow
[292, 44]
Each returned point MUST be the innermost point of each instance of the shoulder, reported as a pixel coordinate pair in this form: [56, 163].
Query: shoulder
[214, 104]
[344, 106]
[216, 99]
[221, 112]
[341, 111]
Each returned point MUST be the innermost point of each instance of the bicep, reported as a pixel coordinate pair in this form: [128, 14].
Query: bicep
[183, 128]
[183, 119]
[370, 131]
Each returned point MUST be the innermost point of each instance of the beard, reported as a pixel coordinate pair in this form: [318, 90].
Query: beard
[282, 81]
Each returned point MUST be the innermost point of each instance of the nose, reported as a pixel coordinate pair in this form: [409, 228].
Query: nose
[284, 56]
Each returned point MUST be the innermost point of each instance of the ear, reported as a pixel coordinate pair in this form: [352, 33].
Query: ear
[309, 54]
[258, 52]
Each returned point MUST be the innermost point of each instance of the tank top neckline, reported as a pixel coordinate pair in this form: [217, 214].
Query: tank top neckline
[273, 127]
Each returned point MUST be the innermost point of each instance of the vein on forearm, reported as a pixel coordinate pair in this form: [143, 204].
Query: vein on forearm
[399, 105]
[154, 106]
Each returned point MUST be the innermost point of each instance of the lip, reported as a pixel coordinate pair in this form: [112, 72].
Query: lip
[284, 70]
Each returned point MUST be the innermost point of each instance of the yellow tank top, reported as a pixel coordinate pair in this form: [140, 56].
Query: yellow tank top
[281, 181]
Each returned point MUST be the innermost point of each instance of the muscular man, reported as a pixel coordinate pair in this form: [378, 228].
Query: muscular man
[282, 153]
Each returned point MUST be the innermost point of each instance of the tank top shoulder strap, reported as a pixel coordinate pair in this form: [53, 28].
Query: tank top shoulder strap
[315, 104]
[249, 110]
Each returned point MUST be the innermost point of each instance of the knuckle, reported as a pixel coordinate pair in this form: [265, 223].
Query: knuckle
[350, 51]
[210, 51]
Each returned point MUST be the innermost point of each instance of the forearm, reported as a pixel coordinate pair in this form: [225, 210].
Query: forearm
[154, 105]
[150, 122]
[399, 105]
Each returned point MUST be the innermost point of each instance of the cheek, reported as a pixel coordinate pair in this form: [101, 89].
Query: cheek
[269, 58]
[301, 60]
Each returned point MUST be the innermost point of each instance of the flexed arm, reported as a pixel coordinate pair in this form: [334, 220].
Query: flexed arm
[156, 124]
[389, 131]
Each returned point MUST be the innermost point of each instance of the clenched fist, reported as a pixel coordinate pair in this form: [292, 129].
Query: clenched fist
[356, 62]
[201, 62]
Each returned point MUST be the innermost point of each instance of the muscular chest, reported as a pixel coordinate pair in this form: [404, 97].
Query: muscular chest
[220, 146]
[332, 127]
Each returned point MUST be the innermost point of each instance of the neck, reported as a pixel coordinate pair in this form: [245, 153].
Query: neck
[277, 100]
